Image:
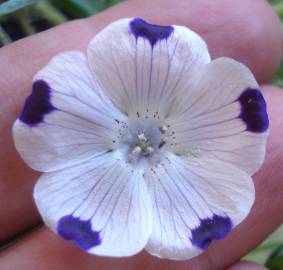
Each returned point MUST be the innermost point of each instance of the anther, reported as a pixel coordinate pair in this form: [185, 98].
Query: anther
[162, 143]
[150, 150]
[137, 150]
[142, 137]
[163, 129]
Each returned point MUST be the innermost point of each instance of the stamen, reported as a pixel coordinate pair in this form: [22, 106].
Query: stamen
[144, 141]
[163, 129]
[142, 137]
[150, 150]
[137, 150]
[162, 143]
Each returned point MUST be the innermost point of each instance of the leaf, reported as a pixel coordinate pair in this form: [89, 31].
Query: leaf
[275, 261]
[278, 76]
[262, 252]
[14, 5]
[112, 2]
[77, 8]
[84, 8]
[274, 2]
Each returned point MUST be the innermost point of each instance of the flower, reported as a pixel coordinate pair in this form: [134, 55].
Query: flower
[144, 143]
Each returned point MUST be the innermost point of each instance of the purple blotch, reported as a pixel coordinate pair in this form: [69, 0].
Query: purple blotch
[79, 231]
[253, 110]
[37, 104]
[210, 229]
[152, 32]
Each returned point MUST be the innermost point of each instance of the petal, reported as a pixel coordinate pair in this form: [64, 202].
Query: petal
[224, 116]
[195, 203]
[67, 118]
[102, 205]
[142, 66]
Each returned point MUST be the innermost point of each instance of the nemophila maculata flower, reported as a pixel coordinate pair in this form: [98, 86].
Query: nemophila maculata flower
[144, 142]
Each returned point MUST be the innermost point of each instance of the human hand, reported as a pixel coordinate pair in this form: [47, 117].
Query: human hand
[245, 30]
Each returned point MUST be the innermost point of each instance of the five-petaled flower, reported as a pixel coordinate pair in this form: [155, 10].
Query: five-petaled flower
[144, 143]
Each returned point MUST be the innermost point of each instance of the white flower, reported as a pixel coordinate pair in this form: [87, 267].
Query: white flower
[151, 147]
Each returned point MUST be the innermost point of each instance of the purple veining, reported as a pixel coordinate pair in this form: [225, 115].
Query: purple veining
[79, 231]
[151, 32]
[210, 229]
[253, 110]
[37, 104]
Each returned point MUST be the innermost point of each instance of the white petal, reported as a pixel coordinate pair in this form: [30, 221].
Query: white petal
[223, 116]
[102, 205]
[194, 203]
[67, 118]
[142, 66]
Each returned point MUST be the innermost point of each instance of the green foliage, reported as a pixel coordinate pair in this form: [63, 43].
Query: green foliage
[274, 2]
[77, 8]
[83, 8]
[14, 5]
[20, 18]
[264, 251]
[275, 261]
[278, 77]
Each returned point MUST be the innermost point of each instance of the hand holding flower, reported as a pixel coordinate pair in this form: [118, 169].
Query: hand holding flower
[274, 198]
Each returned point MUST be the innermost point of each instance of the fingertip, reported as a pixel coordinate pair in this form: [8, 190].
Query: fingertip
[260, 37]
[246, 30]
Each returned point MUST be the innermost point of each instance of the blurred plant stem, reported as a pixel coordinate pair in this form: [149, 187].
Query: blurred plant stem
[4, 37]
[25, 23]
[51, 14]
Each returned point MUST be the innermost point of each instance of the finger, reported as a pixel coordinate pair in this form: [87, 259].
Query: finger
[243, 30]
[44, 250]
[266, 214]
[254, 25]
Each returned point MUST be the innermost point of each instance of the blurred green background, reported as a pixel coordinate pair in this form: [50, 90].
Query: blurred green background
[20, 18]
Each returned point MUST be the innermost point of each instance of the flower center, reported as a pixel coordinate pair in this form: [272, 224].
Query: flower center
[144, 142]
[143, 145]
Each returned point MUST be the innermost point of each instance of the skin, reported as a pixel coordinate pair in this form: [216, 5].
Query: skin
[246, 30]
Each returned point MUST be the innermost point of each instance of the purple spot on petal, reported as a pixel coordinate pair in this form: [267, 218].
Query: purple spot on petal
[79, 231]
[153, 33]
[37, 104]
[210, 229]
[253, 111]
